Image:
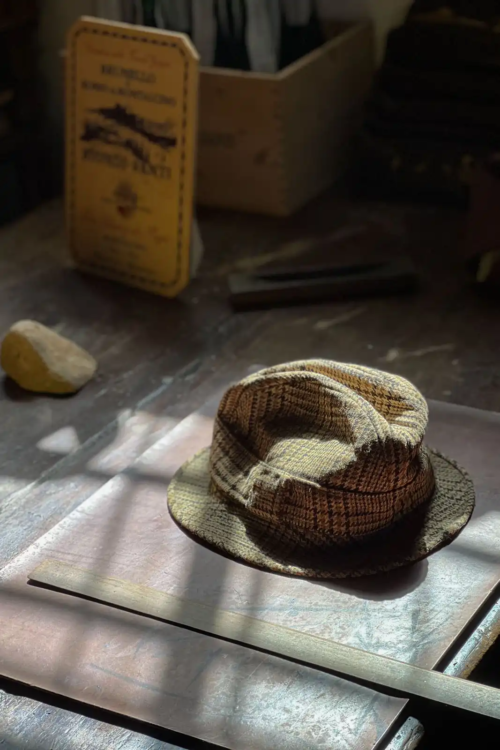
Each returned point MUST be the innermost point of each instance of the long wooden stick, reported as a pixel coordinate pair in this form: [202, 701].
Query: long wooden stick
[319, 653]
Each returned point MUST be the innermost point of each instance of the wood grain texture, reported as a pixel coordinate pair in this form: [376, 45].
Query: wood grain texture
[124, 529]
[444, 339]
[271, 143]
[240, 153]
[171, 693]
[36, 724]
[408, 737]
[378, 671]
[321, 104]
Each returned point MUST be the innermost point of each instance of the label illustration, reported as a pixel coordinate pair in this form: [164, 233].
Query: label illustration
[131, 102]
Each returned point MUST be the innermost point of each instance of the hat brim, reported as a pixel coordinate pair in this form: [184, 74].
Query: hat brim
[229, 530]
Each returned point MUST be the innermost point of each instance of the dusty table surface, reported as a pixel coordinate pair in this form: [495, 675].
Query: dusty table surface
[160, 359]
[221, 692]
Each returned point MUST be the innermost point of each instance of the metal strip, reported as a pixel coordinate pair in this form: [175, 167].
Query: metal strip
[315, 652]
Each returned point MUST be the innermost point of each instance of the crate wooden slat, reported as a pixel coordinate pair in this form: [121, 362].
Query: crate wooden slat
[270, 143]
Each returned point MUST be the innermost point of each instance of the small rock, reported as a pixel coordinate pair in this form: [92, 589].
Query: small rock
[41, 360]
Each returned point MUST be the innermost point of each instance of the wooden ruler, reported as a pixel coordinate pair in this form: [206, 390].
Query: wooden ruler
[319, 653]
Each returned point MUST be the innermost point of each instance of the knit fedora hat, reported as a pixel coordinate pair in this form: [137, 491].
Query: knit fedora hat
[318, 469]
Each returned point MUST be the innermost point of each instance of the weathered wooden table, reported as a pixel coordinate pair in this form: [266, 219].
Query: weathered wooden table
[161, 359]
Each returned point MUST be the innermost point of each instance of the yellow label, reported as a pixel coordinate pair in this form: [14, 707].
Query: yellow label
[131, 111]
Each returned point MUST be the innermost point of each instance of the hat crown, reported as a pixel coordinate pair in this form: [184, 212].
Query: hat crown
[309, 460]
[330, 450]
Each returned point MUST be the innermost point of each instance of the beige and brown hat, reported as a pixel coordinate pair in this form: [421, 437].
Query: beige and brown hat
[317, 469]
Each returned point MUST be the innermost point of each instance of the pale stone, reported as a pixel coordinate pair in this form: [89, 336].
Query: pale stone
[41, 360]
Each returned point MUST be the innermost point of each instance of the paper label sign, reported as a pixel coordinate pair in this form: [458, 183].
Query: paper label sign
[131, 122]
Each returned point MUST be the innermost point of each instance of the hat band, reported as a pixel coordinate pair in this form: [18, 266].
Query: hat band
[302, 510]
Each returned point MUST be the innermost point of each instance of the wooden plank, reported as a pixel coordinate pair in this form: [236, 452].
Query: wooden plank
[270, 143]
[321, 97]
[413, 617]
[240, 153]
[33, 721]
[470, 654]
[153, 341]
[408, 737]
[319, 653]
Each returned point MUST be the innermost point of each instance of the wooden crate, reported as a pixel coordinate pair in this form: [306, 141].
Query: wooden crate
[270, 143]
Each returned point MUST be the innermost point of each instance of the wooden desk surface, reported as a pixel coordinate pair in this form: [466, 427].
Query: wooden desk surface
[159, 360]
